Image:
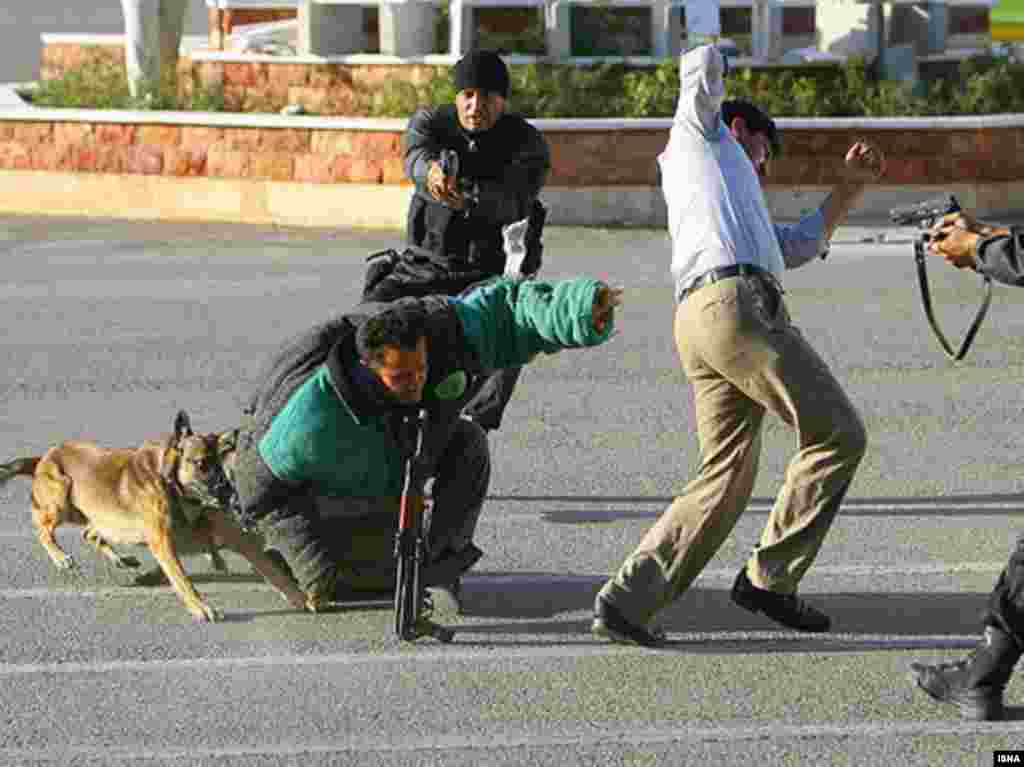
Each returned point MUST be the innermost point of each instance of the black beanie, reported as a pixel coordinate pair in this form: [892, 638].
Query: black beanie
[483, 70]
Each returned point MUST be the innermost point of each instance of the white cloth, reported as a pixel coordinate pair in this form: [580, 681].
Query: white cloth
[514, 236]
[717, 213]
[152, 38]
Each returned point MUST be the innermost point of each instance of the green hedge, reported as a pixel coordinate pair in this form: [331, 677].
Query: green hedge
[980, 86]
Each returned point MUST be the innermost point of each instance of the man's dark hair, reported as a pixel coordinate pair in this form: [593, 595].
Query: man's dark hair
[756, 119]
[396, 327]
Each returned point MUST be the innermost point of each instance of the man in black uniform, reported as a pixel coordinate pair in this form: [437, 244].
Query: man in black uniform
[464, 211]
[976, 683]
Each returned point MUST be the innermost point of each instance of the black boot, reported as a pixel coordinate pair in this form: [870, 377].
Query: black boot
[976, 683]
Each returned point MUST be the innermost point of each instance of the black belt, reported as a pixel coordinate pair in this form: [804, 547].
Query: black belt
[736, 270]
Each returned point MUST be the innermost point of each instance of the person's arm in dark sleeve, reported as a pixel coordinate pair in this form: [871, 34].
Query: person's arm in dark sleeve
[1002, 257]
[996, 252]
[421, 148]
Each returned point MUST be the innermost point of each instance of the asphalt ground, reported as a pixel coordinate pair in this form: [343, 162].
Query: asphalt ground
[110, 327]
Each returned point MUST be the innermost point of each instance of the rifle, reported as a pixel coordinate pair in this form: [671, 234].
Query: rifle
[411, 609]
[925, 215]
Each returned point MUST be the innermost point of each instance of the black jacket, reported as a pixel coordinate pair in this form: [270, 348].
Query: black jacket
[506, 166]
[1002, 258]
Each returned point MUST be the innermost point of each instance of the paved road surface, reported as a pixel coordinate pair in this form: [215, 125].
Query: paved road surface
[108, 328]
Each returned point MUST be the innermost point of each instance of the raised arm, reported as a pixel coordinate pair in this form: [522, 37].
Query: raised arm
[509, 322]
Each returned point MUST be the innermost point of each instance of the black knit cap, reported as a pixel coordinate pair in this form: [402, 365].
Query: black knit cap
[483, 70]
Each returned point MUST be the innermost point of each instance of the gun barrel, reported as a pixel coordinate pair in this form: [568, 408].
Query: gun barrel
[924, 212]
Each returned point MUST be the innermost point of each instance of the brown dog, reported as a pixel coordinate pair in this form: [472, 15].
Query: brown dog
[170, 495]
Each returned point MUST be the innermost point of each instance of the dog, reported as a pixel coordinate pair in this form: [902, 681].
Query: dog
[171, 495]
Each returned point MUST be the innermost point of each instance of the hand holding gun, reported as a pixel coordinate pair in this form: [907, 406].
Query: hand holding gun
[448, 185]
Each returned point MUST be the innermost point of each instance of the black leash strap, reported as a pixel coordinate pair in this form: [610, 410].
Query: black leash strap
[926, 300]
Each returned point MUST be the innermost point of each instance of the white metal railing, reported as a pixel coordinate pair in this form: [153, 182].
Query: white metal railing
[665, 28]
[334, 27]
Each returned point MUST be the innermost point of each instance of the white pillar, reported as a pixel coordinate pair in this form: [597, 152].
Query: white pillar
[407, 27]
[557, 36]
[330, 29]
[460, 28]
[152, 39]
[660, 19]
[767, 29]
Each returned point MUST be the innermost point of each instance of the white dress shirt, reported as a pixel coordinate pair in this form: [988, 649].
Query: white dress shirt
[717, 213]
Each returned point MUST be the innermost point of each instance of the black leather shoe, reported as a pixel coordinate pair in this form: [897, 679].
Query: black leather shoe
[609, 624]
[787, 609]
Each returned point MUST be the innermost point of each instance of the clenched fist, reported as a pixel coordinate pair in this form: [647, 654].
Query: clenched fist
[604, 306]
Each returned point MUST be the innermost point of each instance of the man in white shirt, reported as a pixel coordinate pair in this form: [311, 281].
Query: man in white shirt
[743, 358]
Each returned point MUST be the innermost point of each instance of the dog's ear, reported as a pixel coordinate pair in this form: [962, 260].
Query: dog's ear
[182, 426]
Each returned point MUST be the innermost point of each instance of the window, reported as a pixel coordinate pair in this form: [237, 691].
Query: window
[798, 21]
[967, 19]
[737, 25]
[513, 30]
[610, 31]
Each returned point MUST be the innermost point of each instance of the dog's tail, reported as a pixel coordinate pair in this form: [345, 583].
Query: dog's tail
[19, 467]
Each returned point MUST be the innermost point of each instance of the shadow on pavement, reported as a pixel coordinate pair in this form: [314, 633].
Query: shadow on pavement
[922, 619]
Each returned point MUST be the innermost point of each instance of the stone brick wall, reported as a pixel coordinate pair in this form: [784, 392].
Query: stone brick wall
[919, 152]
[597, 158]
[56, 59]
[284, 154]
[324, 89]
[267, 85]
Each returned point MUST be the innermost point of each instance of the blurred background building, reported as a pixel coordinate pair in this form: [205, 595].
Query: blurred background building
[761, 32]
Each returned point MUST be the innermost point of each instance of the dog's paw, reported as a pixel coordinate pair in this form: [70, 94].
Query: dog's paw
[314, 603]
[154, 577]
[65, 564]
[203, 613]
[297, 600]
[217, 561]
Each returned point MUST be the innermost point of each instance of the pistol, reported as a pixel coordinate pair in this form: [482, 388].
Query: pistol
[450, 163]
[452, 168]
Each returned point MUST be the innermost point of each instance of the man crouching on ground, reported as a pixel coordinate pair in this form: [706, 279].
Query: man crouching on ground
[321, 457]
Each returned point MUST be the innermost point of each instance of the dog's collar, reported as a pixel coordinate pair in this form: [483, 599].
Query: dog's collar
[176, 495]
[169, 477]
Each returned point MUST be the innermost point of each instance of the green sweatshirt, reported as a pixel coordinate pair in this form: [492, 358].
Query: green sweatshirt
[318, 438]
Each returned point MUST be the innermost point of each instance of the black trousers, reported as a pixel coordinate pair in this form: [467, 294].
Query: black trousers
[1005, 609]
[357, 545]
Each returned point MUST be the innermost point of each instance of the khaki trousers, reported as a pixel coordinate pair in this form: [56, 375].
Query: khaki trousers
[743, 357]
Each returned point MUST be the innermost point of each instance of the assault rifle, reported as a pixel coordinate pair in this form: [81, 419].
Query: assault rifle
[925, 215]
[411, 606]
